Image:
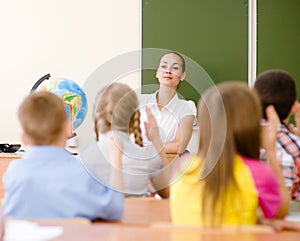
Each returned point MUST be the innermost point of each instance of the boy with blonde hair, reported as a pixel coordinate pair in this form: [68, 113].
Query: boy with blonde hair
[48, 182]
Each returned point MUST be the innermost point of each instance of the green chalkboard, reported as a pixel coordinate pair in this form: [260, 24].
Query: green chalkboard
[278, 37]
[212, 34]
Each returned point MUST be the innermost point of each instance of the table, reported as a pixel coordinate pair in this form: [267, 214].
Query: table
[5, 159]
[145, 210]
[149, 219]
[108, 232]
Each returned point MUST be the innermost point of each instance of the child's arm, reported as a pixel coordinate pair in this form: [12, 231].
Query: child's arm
[269, 136]
[285, 202]
[162, 180]
[115, 150]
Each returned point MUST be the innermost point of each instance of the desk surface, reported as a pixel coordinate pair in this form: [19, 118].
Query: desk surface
[77, 231]
[148, 219]
[107, 232]
[146, 210]
[10, 155]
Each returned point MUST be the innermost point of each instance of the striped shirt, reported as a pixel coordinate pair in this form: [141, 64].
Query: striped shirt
[288, 153]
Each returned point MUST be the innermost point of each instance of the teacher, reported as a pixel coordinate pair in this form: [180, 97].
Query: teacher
[174, 116]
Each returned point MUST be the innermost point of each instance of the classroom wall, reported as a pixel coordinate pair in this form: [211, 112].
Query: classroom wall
[72, 38]
[212, 34]
[69, 38]
[278, 37]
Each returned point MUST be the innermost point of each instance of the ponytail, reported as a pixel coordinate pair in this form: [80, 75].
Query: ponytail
[134, 127]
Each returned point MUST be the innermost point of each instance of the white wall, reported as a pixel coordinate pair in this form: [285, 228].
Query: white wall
[66, 38]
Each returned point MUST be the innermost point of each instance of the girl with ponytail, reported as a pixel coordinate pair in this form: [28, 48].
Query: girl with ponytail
[116, 116]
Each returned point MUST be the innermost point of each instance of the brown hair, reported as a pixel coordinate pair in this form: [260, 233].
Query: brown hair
[42, 116]
[226, 129]
[276, 87]
[116, 108]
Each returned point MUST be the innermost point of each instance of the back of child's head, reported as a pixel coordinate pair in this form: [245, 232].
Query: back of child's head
[43, 118]
[229, 117]
[277, 88]
[116, 108]
[241, 107]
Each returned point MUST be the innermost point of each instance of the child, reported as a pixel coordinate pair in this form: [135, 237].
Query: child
[116, 116]
[225, 183]
[48, 182]
[174, 116]
[277, 88]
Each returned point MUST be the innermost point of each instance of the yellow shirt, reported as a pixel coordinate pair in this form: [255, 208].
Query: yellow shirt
[239, 209]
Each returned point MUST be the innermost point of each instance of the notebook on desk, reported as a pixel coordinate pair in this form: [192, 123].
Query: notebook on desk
[27, 230]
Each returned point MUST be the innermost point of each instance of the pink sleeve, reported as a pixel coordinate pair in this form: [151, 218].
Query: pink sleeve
[267, 186]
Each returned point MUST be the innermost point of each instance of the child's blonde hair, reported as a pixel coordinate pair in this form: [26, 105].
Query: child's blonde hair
[43, 117]
[116, 108]
[233, 109]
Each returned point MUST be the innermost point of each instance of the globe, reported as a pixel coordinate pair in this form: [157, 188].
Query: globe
[72, 95]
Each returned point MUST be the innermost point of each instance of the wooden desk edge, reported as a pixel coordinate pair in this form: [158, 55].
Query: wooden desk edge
[11, 155]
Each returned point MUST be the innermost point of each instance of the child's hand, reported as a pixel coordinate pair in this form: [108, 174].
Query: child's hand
[151, 127]
[269, 129]
[296, 129]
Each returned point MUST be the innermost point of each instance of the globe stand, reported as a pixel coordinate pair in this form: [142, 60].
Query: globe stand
[71, 144]
[72, 141]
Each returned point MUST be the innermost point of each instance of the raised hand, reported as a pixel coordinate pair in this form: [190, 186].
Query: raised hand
[152, 130]
[269, 128]
[295, 129]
